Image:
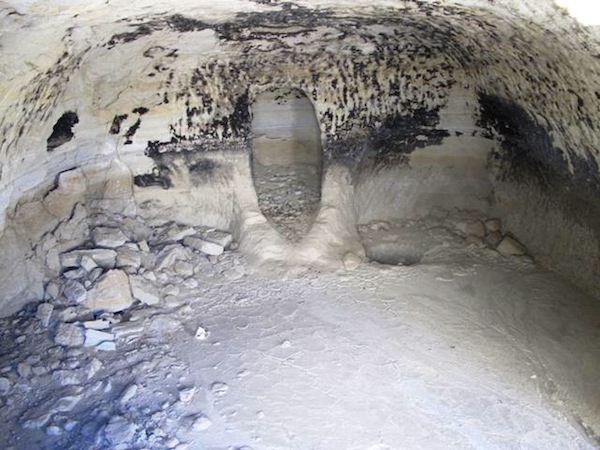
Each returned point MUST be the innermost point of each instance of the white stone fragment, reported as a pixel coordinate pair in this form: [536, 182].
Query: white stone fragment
[202, 423]
[209, 248]
[74, 292]
[52, 290]
[4, 385]
[170, 255]
[69, 335]
[53, 260]
[171, 289]
[111, 293]
[95, 366]
[222, 238]
[70, 425]
[128, 393]
[88, 263]
[143, 245]
[380, 226]
[128, 259]
[44, 313]
[108, 237]
[95, 274]
[54, 430]
[70, 259]
[37, 422]
[104, 257]
[511, 247]
[150, 276]
[74, 274]
[183, 268]
[144, 290]
[66, 403]
[99, 324]
[95, 337]
[186, 395]
[201, 334]
[176, 234]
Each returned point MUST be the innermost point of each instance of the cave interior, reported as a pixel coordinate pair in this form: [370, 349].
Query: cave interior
[300, 224]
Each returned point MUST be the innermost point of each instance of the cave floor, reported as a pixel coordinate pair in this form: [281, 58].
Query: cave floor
[480, 352]
[289, 196]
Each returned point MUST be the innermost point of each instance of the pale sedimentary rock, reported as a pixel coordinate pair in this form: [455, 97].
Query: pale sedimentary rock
[111, 293]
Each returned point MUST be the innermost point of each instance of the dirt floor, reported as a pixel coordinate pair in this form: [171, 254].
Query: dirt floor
[462, 349]
[289, 196]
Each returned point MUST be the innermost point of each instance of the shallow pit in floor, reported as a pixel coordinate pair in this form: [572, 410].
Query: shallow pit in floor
[394, 254]
[437, 238]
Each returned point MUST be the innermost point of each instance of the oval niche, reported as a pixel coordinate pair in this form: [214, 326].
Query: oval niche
[287, 160]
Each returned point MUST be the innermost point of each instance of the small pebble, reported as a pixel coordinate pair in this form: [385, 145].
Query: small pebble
[201, 334]
[202, 423]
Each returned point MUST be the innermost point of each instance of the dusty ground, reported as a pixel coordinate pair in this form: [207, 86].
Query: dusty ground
[289, 196]
[467, 349]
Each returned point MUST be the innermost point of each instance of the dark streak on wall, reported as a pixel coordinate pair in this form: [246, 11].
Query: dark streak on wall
[131, 131]
[529, 158]
[528, 151]
[115, 127]
[400, 135]
[62, 131]
[189, 158]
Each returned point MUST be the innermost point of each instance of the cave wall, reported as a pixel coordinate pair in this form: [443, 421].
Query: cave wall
[411, 99]
[285, 129]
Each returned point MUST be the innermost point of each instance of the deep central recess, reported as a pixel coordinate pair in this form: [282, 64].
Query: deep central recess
[287, 160]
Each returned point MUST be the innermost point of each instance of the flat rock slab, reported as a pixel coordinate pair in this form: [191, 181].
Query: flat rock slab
[103, 257]
[111, 293]
[511, 247]
[108, 237]
[69, 335]
[222, 238]
[74, 292]
[144, 290]
[95, 337]
[204, 246]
